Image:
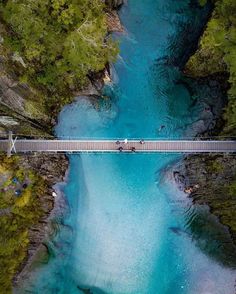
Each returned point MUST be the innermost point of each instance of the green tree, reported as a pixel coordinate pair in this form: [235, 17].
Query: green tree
[217, 53]
[61, 42]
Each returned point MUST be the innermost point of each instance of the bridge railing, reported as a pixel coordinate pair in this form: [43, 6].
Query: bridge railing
[121, 138]
[100, 144]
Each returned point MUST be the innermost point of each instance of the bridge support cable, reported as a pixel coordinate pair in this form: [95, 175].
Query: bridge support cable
[11, 144]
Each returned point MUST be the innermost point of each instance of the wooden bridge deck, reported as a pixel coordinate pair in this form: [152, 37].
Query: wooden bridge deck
[94, 146]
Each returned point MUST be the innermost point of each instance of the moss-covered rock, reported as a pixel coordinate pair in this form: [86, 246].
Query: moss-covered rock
[216, 53]
[213, 182]
[21, 208]
[25, 203]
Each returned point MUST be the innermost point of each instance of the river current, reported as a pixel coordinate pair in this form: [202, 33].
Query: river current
[125, 227]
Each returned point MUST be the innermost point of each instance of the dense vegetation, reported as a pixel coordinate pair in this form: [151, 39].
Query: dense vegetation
[215, 175]
[20, 208]
[56, 44]
[217, 53]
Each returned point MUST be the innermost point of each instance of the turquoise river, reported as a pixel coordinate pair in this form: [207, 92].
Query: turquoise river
[125, 229]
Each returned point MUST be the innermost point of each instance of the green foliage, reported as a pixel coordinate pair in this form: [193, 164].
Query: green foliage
[215, 167]
[202, 2]
[60, 41]
[18, 215]
[232, 188]
[219, 188]
[217, 53]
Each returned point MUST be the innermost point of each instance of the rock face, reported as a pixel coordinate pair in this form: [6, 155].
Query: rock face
[209, 96]
[212, 179]
[113, 22]
[20, 107]
[114, 4]
[53, 169]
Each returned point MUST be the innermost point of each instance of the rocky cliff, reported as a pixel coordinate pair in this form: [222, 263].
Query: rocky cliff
[20, 108]
[211, 180]
[52, 168]
[114, 4]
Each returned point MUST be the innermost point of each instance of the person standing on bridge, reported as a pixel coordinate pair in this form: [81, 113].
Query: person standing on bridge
[120, 148]
[125, 141]
[133, 149]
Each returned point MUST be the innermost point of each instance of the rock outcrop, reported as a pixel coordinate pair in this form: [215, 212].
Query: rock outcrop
[209, 99]
[21, 110]
[211, 179]
[114, 4]
[113, 22]
[53, 169]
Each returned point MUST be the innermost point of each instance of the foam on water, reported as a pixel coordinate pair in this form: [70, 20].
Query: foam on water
[117, 236]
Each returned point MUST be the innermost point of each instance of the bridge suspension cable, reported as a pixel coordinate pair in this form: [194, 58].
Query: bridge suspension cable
[69, 137]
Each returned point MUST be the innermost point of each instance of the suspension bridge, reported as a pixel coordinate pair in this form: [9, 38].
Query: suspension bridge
[14, 145]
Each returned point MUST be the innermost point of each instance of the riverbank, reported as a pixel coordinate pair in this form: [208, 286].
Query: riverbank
[216, 54]
[210, 179]
[52, 169]
[26, 200]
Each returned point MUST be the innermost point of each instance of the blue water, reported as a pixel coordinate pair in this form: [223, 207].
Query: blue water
[116, 236]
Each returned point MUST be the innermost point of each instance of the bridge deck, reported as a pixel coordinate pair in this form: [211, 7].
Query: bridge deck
[153, 146]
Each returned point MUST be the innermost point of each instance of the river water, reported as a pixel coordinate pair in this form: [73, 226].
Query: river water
[125, 229]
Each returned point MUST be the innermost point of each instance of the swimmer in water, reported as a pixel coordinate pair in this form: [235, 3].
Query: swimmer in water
[161, 128]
